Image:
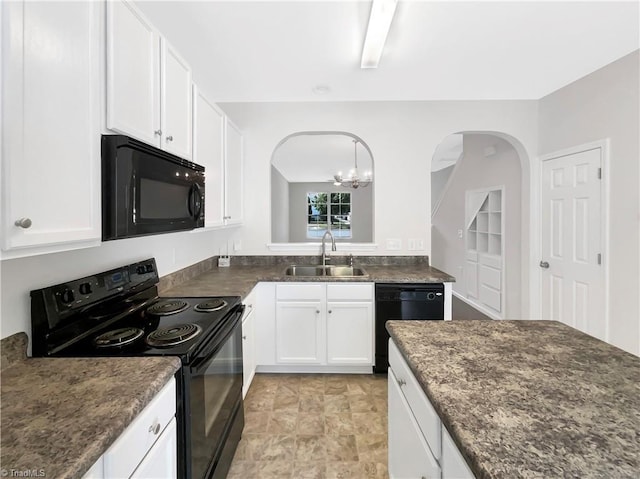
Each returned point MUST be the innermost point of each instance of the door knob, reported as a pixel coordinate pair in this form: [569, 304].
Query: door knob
[157, 132]
[170, 138]
[23, 223]
[544, 264]
[401, 382]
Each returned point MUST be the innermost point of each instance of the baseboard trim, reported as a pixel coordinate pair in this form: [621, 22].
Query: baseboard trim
[315, 369]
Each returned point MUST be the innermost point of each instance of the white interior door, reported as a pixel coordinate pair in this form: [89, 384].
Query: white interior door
[573, 287]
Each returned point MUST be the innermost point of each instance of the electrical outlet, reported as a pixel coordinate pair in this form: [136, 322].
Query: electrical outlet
[394, 244]
[237, 245]
[411, 246]
[419, 244]
[460, 234]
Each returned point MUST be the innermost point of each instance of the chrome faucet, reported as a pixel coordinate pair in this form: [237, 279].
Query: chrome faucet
[324, 246]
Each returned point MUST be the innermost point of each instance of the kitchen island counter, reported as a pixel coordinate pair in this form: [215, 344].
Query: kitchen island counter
[59, 415]
[525, 399]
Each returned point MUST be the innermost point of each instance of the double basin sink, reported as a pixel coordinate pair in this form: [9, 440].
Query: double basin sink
[343, 271]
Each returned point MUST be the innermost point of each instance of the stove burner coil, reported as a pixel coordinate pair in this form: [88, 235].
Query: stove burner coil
[168, 307]
[211, 305]
[118, 337]
[166, 337]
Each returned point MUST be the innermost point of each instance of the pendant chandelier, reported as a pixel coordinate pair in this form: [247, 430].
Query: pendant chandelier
[353, 180]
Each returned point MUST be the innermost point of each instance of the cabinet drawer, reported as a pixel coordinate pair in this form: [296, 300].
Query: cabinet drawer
[122, 458]
[423, 411]
[300, 291]
[490, 297]
[349, 292]
[490, 260]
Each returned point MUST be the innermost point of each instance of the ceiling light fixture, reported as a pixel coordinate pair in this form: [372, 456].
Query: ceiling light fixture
[380, 18]
[353, 181]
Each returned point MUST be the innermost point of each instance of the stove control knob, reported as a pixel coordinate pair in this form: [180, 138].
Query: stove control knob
[85, 288]
[67, 296]
[141, 269]
[149, 268]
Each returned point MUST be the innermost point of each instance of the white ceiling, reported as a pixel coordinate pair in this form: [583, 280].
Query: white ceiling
[316, 158]
[279, 51]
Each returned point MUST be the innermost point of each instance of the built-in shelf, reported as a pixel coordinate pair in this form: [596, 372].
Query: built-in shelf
[484, 232]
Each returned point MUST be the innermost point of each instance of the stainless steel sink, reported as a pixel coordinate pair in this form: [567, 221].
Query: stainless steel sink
[329, 270]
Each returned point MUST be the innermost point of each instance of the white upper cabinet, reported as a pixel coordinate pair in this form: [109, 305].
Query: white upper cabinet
[51, 66]
[208, 151]
[176, 102]
[148, 83]
[234, 160]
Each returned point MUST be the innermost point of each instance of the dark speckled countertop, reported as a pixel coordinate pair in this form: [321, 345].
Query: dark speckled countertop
[529, 399]
[239, 280]
[59, 415]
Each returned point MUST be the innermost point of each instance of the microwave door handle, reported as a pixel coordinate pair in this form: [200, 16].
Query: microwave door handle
[195, 201]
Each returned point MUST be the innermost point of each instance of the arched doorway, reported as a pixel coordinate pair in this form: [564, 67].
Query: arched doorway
[480, 218]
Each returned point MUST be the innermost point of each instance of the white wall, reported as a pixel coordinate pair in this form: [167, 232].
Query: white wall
[402, 136]
[279, 207]
[474, 171]
[439, 180]
[605, 104]
[172, 251]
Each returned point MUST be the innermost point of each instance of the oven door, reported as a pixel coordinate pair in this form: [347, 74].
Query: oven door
[215, 400]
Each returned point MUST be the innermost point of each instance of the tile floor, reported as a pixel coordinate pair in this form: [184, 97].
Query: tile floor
[314, 426]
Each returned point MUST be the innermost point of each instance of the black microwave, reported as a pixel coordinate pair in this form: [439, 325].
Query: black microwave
[148, 191]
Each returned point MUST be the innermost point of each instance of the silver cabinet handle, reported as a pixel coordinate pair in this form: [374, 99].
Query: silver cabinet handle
[170, 138]
[23, 223]
[155, 428]
[251, 306]
[401, 382]
[157, 132]
[317, 311]
[330, 311]
[226, 217]
[544, 264]
[244, 337]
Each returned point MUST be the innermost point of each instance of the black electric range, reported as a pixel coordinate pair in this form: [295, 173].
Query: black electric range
[118, 313]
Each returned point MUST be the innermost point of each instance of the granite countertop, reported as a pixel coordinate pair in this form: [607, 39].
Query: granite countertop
[239, 280]
[529, 399]
[59, 415]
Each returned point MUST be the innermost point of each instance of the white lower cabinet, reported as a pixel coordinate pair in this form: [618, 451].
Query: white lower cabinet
[316, 327]
[147, 447]
[412, 457]
[248, 342]
[419, 445]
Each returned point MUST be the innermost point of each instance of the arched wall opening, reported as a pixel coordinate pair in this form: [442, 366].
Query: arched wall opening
[480, 220]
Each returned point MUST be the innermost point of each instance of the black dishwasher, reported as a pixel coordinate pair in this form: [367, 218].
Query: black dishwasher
[423, 301]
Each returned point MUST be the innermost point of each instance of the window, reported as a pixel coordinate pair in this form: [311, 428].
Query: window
[329, 210]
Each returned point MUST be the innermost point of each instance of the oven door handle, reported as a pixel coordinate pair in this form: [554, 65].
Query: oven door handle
[208, 351]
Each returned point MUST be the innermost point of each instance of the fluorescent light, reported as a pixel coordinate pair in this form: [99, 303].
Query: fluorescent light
[382, 12]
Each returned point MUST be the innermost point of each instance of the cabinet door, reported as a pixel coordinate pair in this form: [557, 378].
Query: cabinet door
[350, 333]
[208, 151]
[299, 332]
[133, 75]
[453, 464]
[161, 460]
[233, 175]
[51, 124]
[248, 350]
[176, 102]
[409, 453]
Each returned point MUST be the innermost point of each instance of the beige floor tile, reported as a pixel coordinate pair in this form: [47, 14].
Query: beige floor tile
[314, 426]
[311, 403]
[309, 470]
[339, 424]
[312, 448]
[342, 448]
[372, 448]
[311, 424]
[282, 422]
[336, 403]
[277, 469]
[369, 423]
